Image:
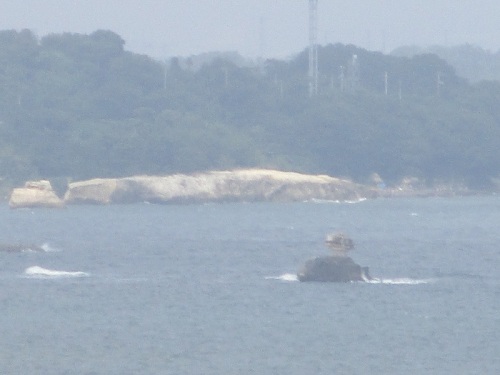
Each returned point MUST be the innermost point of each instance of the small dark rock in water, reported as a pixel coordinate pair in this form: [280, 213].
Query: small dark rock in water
[337, 267]
[333, 269]
[9, 248]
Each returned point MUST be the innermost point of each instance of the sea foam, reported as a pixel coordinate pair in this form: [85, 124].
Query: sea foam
[321, 201]
[399, 281]
[284, 277]
[48, 248]
[40, 272]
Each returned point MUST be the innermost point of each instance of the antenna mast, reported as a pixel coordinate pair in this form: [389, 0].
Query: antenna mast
[439, 83]
[313, 47]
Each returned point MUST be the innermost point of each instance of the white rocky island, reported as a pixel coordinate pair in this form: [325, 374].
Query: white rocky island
[35, 194]
[245, 185]
[242, 185]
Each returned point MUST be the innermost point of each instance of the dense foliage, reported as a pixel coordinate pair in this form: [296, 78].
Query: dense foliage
[471, 62]
[81, 106]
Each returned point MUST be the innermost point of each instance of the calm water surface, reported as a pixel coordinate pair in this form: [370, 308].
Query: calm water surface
[210, 289]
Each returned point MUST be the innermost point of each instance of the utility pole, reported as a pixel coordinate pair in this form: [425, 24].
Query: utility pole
[165, 74]
[342, 76]
[439, 83]
[313, 48]
[385, 83]
[353, 74]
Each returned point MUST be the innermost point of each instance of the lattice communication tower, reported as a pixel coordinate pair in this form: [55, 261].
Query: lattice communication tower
[313, 47]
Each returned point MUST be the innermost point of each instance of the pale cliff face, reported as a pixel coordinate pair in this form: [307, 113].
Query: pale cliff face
[238, 185]
[35, 194]
[95, 191]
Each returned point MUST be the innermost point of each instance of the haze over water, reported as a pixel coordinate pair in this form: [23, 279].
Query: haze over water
[210, 289]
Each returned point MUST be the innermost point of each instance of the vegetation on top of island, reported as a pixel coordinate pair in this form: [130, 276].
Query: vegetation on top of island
[76, 106]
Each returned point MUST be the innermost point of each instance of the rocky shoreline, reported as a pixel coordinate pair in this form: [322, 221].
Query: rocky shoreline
[244, 185]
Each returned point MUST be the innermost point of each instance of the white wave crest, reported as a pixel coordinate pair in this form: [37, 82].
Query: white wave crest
[48, 248]
[399, 281]
[41, 272]
[30, 249]
[321, 201]
[284, 277]
[359, 200]
[44, 248]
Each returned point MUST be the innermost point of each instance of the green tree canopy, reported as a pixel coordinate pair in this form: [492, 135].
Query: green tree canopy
[81, 106]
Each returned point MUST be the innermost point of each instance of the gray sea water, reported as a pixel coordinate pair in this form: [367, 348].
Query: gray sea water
[211, 289]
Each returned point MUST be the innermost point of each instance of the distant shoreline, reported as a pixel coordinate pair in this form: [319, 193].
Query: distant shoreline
[245, 185]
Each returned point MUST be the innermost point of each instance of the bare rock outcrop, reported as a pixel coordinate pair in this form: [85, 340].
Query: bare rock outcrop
[239, 185]
[16, 248]
[333, 269]
[35, 194]
[337, 267]
[95, 191]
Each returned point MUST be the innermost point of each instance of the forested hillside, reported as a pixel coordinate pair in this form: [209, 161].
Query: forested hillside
[471, 62]
[81, 106]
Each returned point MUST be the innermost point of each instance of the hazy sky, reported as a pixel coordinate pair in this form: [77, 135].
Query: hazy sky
[271, 28]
